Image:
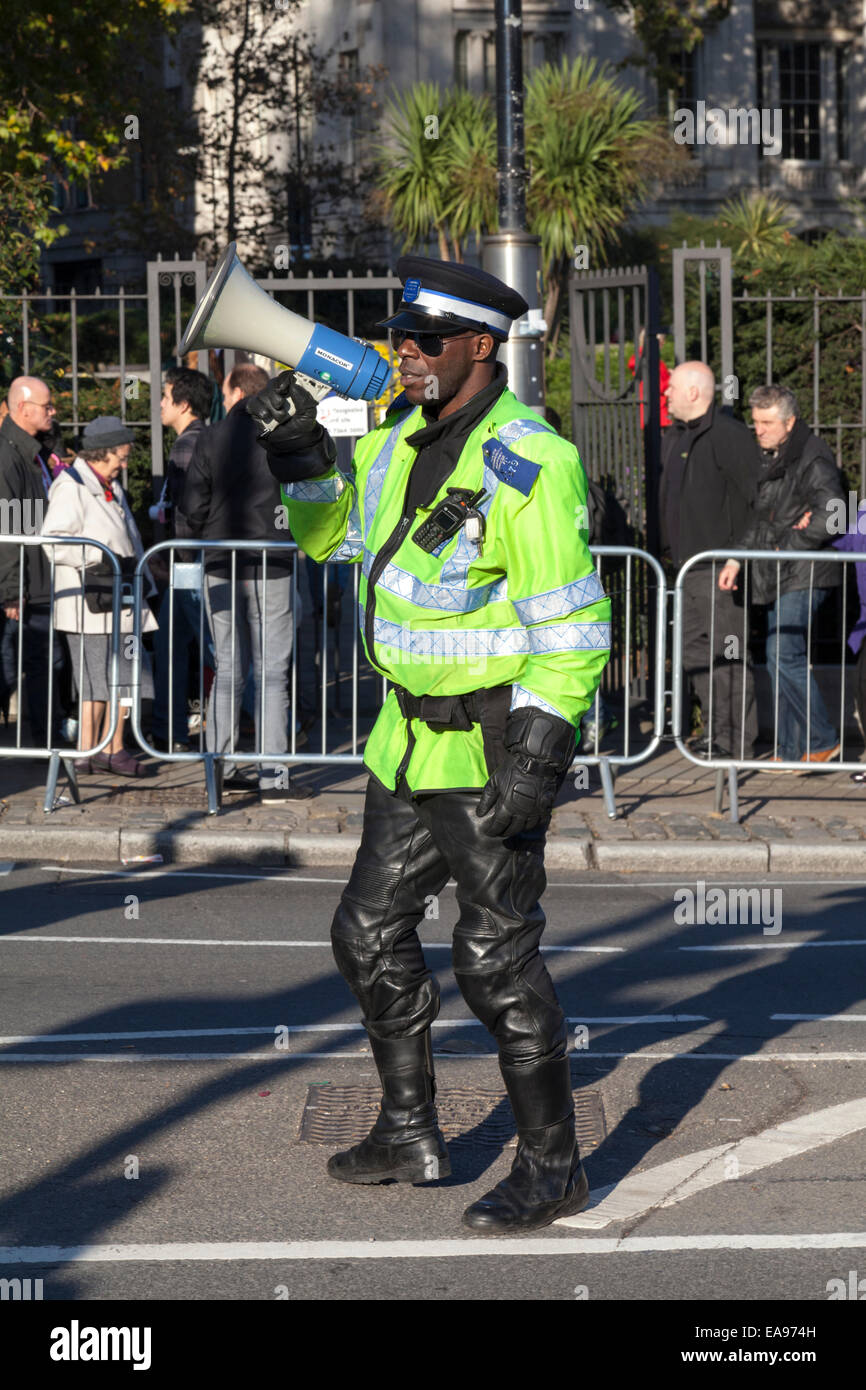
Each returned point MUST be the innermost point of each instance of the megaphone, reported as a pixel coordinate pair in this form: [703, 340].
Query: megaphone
[234, 312]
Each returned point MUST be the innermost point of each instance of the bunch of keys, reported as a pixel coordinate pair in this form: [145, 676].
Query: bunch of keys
[474, 529]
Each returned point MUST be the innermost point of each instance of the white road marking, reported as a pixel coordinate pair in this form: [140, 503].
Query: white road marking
[6, 868]
[772, 946]
[169, 872]
[266, 1029]
[820, 1018]
[682, 1177]
[178, 1251]
[237, 941]
[275, 1054]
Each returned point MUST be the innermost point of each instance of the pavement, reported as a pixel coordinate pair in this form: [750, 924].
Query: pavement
[665, 820]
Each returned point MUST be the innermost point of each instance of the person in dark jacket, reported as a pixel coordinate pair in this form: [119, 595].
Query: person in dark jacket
[25, 585]
[710, 466]
[231, 494]
[799, 480]
[185, 404]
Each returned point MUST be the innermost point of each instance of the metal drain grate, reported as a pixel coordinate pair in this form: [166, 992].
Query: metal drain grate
[343, 1115]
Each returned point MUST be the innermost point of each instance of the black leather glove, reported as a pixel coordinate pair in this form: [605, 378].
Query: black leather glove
[296, 444]
[540, 749]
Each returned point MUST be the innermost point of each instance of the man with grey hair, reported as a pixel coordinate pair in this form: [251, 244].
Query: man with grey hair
[25, 583]
[799, 480]
[709, 473]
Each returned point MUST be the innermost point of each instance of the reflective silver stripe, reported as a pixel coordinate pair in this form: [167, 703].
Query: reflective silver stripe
[507, 641]
[352, 543]
[311, 490]
[521, 697]
[451, 643]
[557, 603]
[448, 598]
[513, 430]
[566, 637]
[376, 474]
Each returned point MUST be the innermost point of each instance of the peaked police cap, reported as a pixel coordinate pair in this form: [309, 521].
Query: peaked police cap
[445, 297]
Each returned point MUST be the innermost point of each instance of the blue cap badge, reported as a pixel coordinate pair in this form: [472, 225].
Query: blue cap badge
[411, 290]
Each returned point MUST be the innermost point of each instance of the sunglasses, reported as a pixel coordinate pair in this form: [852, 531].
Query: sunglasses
[428, 344]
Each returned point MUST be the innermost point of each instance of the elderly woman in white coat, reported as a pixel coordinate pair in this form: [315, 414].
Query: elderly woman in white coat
[87, 500]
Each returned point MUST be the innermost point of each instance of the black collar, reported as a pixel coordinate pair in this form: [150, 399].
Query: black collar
[464, 420]
[27, 444]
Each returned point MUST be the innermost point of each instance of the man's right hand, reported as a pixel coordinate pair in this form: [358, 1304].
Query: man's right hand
[12, 611]
[728, 576]
[286, 415]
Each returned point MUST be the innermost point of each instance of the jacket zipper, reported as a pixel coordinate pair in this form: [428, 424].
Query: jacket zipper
[391, 546]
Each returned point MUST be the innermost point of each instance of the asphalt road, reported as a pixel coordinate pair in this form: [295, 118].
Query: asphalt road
[160, 1030]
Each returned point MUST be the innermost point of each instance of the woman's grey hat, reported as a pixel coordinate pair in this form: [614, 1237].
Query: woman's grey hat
[106, 432]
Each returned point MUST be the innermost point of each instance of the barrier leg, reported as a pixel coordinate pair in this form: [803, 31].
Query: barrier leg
[607, 787]
[72, 775]
[733, 794]
[720, 791]
[213, 777]
[51, 784]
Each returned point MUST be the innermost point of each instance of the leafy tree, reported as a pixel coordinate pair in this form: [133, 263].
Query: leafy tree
[271, 152]
[663, 27]
[64, 91]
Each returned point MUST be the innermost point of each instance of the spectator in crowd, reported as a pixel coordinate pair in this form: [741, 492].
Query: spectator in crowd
[664, 378]
[798, 481]
[710, 467]
[87, 500]
[854, 540]
[184, 408]
[24, 484]
[231, 494]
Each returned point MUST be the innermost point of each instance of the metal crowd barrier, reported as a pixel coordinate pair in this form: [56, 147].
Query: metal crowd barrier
[728, 765]
[631, 661]
[186, 575]
[51, 750]
[629, 600]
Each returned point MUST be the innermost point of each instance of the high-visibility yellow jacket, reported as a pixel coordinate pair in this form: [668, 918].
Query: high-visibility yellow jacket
[525, 608]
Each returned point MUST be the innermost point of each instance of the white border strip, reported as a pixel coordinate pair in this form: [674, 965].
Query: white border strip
[31, 937]
[418, 1249]
[279, 1055]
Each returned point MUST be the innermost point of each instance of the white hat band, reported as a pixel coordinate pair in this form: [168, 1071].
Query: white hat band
[449, 304]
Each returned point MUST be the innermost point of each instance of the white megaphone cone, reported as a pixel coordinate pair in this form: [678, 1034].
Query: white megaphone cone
[234, 312]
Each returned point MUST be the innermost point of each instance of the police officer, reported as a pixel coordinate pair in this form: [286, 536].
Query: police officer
[481, 605]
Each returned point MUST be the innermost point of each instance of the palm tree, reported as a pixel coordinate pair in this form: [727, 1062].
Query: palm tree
[414, 166]
[591, 158]
[758, 224]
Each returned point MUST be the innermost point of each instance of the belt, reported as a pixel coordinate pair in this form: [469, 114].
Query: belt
[440, 712]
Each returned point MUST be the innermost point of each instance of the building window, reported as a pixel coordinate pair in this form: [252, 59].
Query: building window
[490, 63]
[683, 94]
[461, 58]
[843, 60]
[800, 100]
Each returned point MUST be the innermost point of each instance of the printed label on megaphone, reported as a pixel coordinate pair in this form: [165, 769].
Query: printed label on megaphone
[234, 312]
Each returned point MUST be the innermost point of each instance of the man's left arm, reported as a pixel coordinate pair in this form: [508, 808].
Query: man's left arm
[559, 599]
[823, 487]
[556, 591]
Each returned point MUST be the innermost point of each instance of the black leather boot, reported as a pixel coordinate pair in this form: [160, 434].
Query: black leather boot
[547, 1179]
[405, 1144]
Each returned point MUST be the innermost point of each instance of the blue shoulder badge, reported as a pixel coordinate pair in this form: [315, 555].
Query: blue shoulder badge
[510, 468]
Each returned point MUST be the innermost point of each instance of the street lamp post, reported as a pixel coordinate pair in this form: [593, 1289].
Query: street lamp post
[512, 254]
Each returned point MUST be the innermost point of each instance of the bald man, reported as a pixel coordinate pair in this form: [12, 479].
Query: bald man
[25, 598]
[710, 467]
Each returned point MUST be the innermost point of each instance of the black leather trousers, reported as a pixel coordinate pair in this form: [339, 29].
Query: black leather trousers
[409, 850]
